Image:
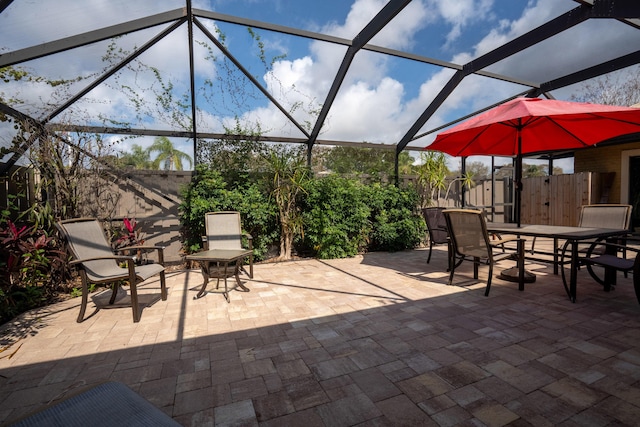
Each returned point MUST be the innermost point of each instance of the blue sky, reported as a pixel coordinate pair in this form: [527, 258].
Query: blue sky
[381, 96]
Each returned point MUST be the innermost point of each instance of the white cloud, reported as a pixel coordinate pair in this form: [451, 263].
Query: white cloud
[459, 13]
[400, 32]
[369, 103]
[358, 115]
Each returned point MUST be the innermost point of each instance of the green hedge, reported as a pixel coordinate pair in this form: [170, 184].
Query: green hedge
[342, 216]
[336, 217]
[395, 223]
[208, 192]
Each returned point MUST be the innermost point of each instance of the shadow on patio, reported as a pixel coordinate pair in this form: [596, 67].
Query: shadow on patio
[378, 339]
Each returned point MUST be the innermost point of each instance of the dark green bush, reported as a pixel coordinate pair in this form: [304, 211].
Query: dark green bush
[341, 216]
[336, 217]
[396, 224]
[208, 192]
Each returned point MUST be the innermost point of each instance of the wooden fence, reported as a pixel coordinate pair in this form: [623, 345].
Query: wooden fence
[556, 200]
[552, 200]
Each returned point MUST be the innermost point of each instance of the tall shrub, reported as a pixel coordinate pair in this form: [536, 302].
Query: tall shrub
[396, 225]
[208, 192]
[336, 217]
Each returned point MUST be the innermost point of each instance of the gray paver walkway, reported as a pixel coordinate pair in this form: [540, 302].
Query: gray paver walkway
[375, 340]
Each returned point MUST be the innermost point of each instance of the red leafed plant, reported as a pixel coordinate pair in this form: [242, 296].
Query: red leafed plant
[129, 235]
[31, 267]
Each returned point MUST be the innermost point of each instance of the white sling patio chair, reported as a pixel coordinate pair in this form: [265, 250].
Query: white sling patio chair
[97, 263]
[224, 231]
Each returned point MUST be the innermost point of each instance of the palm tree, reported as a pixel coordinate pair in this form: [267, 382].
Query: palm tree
[138, 158]
[168, 155]
[432, 175]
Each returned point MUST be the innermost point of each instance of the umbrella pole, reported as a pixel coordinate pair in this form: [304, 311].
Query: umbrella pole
[518, 178]
[513, 274]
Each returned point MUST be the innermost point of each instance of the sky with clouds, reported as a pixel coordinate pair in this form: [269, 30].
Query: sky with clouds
[380, 98]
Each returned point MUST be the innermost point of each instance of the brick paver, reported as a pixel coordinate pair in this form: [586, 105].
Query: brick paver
[378, 339]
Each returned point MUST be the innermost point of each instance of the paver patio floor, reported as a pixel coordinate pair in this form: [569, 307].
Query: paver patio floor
[374, 340]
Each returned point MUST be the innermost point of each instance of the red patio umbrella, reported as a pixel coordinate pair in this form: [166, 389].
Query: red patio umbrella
[533, 125]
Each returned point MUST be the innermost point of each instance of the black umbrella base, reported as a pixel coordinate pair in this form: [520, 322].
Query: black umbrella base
[511, 275]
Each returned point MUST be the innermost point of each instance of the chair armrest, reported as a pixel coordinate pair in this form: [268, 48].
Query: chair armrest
[500, 240]
[159, 249]
[143, 247]
[249, 239]
[114, 257]
[610, 247]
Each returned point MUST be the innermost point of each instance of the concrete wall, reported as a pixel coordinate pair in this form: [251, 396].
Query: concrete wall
[152, 198]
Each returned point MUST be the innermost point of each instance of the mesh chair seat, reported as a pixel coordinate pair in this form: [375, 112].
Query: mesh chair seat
[224, 231]
[470, 241]
[436, 226]
[97, 263]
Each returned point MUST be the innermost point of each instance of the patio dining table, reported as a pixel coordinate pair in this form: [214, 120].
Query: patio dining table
[574, 236]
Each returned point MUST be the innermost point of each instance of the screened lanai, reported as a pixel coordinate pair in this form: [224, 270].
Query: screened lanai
[365, 73]
[378, 338]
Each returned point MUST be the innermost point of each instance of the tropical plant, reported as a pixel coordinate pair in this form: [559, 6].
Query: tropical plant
[168, 156]
[395, 224]
[432, 174]
[138, 158]
[290, 177]
[31, 266]
[130, 235]
[466, 180]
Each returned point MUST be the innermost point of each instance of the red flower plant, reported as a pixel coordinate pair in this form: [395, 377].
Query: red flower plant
[130, 236]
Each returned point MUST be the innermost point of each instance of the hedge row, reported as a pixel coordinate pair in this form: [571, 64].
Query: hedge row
[341, 216]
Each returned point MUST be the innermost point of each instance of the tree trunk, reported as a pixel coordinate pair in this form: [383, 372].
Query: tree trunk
[286, 241]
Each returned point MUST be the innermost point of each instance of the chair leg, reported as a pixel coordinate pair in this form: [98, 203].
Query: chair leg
[453, 269]
[486, 291]
[243, 268]
[636, 276]
[135, 306]
[85, 297]
[476, 264]
[114, 292]
[133, 291]
[163, 286]
[430, 249]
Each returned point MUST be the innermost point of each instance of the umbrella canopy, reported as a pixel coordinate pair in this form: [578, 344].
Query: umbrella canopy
[534, 125]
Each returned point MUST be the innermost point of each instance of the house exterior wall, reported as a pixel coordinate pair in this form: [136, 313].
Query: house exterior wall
[604, 159]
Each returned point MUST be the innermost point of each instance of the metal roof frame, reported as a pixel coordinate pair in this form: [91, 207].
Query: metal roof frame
[627, 11]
